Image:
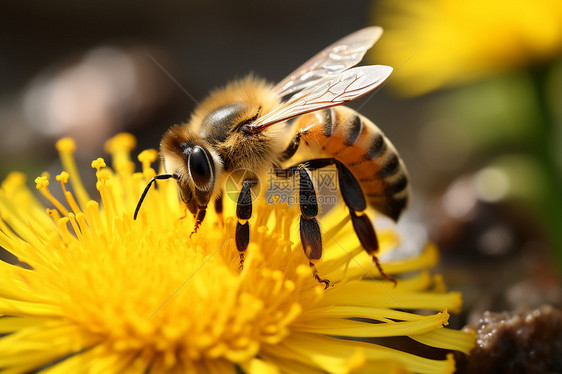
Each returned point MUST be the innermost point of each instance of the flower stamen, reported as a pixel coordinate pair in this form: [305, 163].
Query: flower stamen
[42, 183]
[66, 148]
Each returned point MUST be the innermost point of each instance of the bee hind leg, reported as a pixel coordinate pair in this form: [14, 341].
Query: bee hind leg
[355, 200]
[243, 213]
[366, 233]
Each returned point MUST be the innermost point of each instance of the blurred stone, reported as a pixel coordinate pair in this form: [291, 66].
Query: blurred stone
[511, 342]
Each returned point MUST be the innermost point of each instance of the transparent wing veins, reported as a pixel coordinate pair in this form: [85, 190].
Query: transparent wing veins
[330, 91]
[336, 58]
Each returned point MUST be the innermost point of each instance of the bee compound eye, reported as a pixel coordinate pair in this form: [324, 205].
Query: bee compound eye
[200, 167]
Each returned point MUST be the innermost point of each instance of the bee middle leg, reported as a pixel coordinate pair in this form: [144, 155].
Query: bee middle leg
[292, 148]
[311, 237]
[243, 213]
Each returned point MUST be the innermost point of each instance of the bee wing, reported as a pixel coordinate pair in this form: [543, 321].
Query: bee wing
[327, 92]
[336, 58]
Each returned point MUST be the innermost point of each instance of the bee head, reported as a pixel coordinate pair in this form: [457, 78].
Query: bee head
[193, 163]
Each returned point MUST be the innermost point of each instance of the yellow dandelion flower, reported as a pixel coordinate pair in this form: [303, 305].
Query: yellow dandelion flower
[441, 42]
[106, 294]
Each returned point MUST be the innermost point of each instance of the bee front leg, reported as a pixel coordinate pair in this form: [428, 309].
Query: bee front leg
[219, 208]
[243, 213]
[201, 212]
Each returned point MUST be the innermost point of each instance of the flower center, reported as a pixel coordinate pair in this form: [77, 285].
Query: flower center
[148, 285]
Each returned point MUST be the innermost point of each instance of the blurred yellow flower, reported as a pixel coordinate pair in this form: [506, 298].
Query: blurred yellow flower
[106, 294]
[442, 42]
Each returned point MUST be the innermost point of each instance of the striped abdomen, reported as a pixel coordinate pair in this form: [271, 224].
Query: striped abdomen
[359, 144]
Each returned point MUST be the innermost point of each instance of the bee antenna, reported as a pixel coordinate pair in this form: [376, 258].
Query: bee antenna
[163, 176]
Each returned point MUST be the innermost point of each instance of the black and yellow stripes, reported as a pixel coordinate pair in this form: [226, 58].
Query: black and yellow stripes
[360, 145]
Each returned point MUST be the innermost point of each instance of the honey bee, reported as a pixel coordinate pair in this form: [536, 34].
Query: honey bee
[250, 125]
